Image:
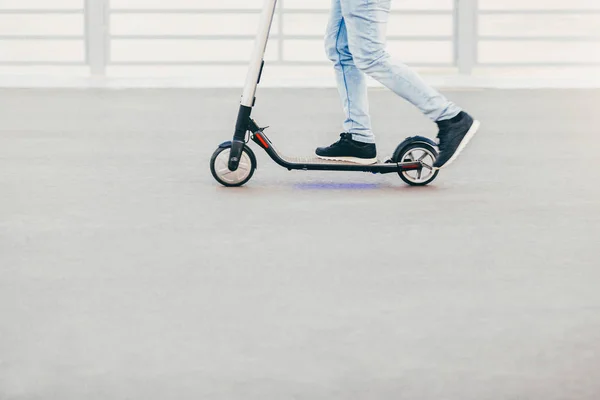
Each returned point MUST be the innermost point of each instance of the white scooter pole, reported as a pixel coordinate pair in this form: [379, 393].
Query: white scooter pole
[260, 45]
[254, 71]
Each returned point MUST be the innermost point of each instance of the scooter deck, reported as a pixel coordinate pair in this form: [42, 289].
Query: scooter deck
[315, 163]
[320, 161]
[318, 164]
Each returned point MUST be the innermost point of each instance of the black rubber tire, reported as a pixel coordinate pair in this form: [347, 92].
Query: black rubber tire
[246, 150]
[399, 157]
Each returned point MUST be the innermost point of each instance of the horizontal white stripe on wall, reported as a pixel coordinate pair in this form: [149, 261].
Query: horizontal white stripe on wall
[187, 4]
[305, 24]
[416, 52]
[539, 4]
[186, 24]
[396, 4]
[401, 25]
[44, 72]
[40, 4]
[177, 50]
[42, 50]
[37, 24]
[540, 25]
[538, 52]
[243, 24]
[257, 4]
[423, 4]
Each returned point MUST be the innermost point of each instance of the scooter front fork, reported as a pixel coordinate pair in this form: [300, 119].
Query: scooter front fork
[239, 137]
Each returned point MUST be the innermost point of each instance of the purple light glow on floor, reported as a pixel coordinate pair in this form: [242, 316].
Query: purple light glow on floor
[337, 186]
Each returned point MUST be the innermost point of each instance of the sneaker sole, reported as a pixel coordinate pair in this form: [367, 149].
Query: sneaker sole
[354, 160]
[472, 131]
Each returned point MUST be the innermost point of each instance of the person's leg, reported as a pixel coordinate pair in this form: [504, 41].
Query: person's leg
[366, 22]
[357, 143]
[351, 82]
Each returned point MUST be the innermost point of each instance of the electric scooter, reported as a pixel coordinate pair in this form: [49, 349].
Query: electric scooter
[233, 163]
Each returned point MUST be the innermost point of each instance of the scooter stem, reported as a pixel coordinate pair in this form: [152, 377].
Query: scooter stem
[260, 45]
[252, 79]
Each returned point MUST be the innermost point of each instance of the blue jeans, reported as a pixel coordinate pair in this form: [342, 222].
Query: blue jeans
[355, 43]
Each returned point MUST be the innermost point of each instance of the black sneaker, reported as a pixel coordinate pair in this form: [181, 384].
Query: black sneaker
[454, 135]
[347, 149]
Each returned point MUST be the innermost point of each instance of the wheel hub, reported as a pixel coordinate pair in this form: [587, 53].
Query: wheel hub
[232, 177]
[426, 158]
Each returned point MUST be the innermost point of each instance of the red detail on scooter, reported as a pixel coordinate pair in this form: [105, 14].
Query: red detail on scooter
[262, 141]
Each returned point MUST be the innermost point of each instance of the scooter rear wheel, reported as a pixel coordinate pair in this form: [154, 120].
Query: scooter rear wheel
[418, 152]
[220, 170]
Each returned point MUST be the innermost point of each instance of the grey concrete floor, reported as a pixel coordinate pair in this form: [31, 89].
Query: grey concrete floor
[128, 273]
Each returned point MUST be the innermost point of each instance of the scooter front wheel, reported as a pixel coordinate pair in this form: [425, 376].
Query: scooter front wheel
[219, 166]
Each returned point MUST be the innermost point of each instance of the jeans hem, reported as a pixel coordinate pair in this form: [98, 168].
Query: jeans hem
[363, 138]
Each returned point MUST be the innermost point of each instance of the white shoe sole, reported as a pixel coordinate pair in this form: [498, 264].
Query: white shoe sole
[354, 160]
[463, 143]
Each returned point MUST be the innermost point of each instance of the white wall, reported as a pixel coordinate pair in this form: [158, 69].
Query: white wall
[183, 42]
